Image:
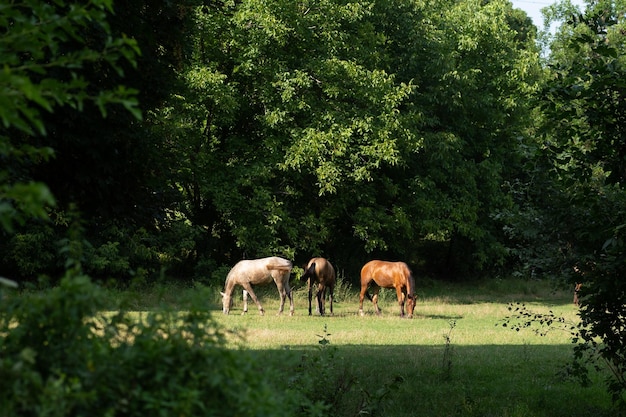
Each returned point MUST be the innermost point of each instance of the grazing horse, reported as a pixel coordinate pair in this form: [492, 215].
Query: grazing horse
[382, 274]
[576, 291]
[258, 272]
[320, 271]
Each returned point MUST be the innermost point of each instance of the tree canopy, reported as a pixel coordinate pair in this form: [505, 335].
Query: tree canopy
[352, 128]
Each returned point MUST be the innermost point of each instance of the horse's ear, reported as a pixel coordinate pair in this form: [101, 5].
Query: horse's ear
[223, 294]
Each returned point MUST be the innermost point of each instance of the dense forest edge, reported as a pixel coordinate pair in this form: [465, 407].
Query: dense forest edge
[162, 140]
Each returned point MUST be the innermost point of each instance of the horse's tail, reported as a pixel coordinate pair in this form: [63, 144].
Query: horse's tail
[283, 265]
[282, 268]
[309, 273]
[369, 297]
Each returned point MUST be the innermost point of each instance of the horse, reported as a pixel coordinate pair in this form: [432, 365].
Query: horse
[320, 271]
[576, 291]
[258, 272]
[383, 274]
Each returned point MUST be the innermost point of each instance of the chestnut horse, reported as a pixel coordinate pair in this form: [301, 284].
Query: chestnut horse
[320, 271]
[258, 272]
[576, 291]
[382, 274]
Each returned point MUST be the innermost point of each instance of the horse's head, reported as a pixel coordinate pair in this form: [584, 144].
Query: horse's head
[410, 305]
[309, 272]
[227, 302]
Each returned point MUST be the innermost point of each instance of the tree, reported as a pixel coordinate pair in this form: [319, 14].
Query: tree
[110, 172]
[352, 129]
[586, 142]
[39, 76]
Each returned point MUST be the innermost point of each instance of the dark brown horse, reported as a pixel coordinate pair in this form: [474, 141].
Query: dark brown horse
[320, 271]
[382, 274]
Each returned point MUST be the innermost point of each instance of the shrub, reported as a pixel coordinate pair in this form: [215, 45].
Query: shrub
[62, 356]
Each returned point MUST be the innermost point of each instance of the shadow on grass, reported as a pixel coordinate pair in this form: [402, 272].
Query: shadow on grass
[484, 380]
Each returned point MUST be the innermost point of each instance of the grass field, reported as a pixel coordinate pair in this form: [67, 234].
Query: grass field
[452, 359]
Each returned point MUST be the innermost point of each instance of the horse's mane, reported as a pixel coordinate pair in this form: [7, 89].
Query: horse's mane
[229, 285]
[411, 282]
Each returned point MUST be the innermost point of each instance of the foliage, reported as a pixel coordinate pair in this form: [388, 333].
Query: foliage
[324, 368]
[62, 356]
[327, 128]
[105, 170]
[291, 128]
[578, 205]
[41, 75]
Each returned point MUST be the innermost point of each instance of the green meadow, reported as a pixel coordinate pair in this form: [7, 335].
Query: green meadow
[454, 358]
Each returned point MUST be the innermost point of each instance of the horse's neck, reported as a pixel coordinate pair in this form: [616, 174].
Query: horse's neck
[411, 285]
[230, 286]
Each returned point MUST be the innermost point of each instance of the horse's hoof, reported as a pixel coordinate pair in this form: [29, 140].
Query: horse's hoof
[361, 313]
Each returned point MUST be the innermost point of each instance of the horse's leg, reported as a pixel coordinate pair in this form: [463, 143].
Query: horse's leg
[362, 297]
[310, 296]
[245, 301]
[284, 292]
[330, 296]
[290, 295]
[400, 294]
[321, 294]
[376, 290]
[247, 287]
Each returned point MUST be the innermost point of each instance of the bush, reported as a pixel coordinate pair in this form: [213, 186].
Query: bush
[62, 356]
[30, 252]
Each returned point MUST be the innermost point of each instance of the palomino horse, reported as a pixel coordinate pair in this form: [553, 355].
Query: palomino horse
[258, 272]
[382, 274]
[320, 271]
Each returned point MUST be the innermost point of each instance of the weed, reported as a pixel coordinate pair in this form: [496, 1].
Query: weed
[373, 403]
[324, 338]
[343, 290]
[320, 380]
[448, 351]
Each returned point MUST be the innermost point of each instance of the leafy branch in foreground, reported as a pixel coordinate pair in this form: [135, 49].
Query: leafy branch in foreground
[523, 318]
[589, 353]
